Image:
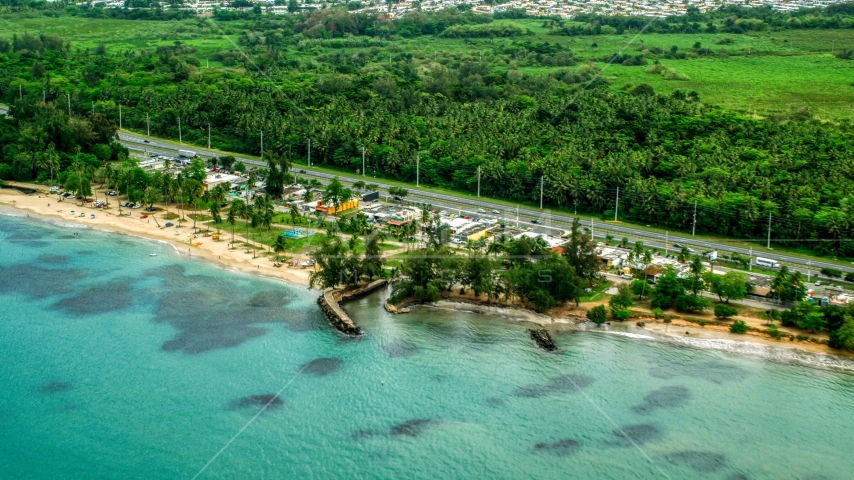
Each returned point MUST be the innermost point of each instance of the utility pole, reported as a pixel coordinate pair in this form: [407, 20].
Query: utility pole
[809, 264]
[69, 103]
[665, 241]
[592, 233]
[180, 137]
[617, 204]
[750, 260]
[262, 144]
[93, 109]
[769, 231]
[363, 161]
[694, 228]
[120, 116]
[517, 216]
[541, 191]
[20, 92]
[147, 126]
[417, 170]
[478, 181]
[44, 97]
[309, 152]
[209, 135]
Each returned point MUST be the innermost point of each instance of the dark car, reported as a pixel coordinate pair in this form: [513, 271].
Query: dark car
[676, 245]
[150, 209]
[146, 141]
[535, 221]
[302, 171]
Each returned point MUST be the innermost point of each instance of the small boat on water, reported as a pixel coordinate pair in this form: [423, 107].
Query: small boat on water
[152, 255]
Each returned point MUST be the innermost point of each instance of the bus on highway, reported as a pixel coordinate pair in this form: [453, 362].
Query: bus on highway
[766, 262]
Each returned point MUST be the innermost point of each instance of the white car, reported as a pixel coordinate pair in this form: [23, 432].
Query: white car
[112, 194]
[626, 276]
[136, 205]
[54, 189]
[480, 210]
[496, 212]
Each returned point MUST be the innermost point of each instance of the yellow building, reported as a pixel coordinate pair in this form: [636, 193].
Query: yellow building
[333, 209]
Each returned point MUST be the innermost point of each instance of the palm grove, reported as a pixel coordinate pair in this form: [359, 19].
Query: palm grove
[453, 117]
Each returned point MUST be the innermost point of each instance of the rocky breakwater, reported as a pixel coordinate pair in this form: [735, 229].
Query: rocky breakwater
[330, 304]
[543, 340]
[337, 317]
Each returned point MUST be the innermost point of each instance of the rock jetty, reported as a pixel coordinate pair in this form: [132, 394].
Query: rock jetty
[330, 303]
[543, 340]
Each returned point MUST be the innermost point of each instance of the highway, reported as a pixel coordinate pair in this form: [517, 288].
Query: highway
[549, 222]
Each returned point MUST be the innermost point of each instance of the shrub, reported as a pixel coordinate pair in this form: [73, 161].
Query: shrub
[657, 312]
[656, 69]
[671, 75]
[621, 314]
[597, 314]
[702, 323]
[774, 332]
[724, 311]
[802, 338]
[738, 327]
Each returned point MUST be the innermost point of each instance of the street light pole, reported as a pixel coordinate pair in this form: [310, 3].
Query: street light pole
[694, 228]
[209, 135]
[180, 137]
[478, 181]
[309, 152]
[417, 170]
[617, 204]
[69, 103]
[262, 144]
[120, 116]
[147, 126]
[542, 181]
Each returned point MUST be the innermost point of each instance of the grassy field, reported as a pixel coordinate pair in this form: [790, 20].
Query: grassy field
[760, 73]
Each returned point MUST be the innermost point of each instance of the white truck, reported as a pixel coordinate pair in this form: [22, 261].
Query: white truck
[186, 153]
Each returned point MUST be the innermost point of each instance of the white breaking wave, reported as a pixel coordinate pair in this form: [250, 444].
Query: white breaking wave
[780, 354]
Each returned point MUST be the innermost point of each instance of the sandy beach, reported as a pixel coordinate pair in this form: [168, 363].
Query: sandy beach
[48, 207]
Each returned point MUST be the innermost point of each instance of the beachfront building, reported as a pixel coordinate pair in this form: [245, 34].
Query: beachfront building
[217, 178]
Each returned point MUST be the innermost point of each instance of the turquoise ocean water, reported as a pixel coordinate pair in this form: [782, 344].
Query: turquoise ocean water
[117, 364]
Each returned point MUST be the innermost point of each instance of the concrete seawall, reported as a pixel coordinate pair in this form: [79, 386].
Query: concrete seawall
[330, 303]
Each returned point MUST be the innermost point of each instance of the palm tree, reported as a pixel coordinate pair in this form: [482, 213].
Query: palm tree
[280, 246]
[214, 209]
[684, 255]
[233, 214]
[50, 160]
[308, 196]
[294, 213]
[250, 186]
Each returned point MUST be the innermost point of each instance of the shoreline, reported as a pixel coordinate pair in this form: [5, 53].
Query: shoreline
[219, 253]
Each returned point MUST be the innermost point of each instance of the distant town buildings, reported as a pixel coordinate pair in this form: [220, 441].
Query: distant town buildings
[566, 8]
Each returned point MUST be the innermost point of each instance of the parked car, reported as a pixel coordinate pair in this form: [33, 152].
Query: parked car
[626, 276]
[307, 263]
[302, 171]
[150, 209]
[53, 189]
[535, 221]
[135, 205]
[496, 212]
[112, 194]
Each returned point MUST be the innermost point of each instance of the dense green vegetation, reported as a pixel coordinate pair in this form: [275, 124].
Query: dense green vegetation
[516, 111]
